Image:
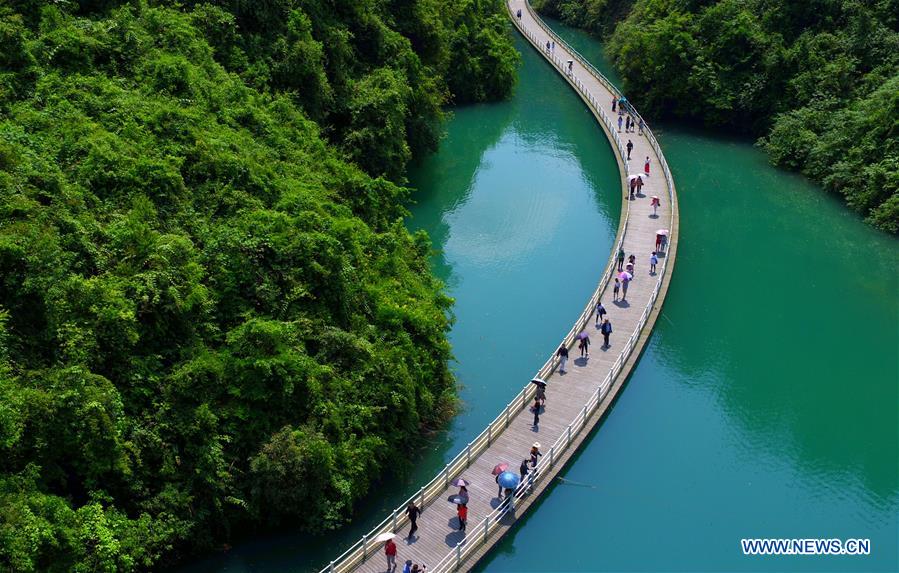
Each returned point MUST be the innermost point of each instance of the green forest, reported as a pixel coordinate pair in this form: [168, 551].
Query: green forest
[212, 319]
[816, 81]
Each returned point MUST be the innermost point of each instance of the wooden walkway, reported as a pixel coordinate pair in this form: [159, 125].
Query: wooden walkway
[577, 400]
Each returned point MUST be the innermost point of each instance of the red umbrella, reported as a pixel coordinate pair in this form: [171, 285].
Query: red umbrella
[500, 468]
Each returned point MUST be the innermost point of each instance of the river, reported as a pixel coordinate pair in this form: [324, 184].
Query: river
[766, 402]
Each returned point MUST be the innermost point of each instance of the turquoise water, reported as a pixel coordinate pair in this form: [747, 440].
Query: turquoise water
[766, 402]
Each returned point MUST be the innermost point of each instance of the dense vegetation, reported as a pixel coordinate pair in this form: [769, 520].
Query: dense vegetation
[211, 316]
[818, 80]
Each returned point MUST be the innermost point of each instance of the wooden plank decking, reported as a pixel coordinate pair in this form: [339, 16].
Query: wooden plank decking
[575, 401]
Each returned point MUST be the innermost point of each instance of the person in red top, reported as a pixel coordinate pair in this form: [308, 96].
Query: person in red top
[463, 516]
[390, 552]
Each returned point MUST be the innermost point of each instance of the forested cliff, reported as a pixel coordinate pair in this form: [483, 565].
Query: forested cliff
[212, 318]
[816, 80]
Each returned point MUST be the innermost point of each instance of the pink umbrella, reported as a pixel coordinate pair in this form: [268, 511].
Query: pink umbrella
[500, 468]
[625, 276]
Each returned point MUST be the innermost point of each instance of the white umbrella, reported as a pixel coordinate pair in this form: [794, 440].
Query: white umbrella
[662, 232]
[633, 177]
[384, 537]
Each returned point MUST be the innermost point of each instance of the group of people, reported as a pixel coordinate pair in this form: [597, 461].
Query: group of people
[390, 551]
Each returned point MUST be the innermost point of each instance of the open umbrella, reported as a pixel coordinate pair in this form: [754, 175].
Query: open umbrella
[385, 537]
[583, 335]
[459, 482]
[458, 499]
[539, 382]
[662, 232]
[634, 177]
[509, 480]
[500, 468]
[625, 276]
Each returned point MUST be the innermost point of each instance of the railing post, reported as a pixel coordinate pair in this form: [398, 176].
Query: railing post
[446, 476]
[489, 433]
[568, 443]
[468, 455]
[584, 422]
[394, 521]
[507, 416]
[524, 396]
[421, 495]
[331, 567]
[458, 555]
[552, 455]
[486, 528]
[365, 547]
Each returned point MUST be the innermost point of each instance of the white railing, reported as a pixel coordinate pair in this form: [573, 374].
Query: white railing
[362, 549]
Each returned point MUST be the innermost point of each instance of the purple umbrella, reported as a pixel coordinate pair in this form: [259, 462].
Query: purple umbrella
[625, 276]
[583, 335]
[459, 482]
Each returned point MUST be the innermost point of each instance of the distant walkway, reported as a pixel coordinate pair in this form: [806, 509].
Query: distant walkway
[577, 400]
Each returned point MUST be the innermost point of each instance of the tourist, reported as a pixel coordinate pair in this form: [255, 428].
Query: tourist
[463, 494]
[627, 125]
[413, 512]
[606, 330]
[653, 261]
[646, 166]
[552, 46]
[570, 64]
[655, 205]
[540, 395]
[562, 353]
[536, 413]
[620, 259]
[535, 453]
[462, 511]
[633, 186]
[417, 569]
[390, 552]
[614, 103]
[640, 125]
[407, 568]
[632, 260]
[624, 283]
[585, 345]
[640, 185]
[519, 14]
[633, 123]
[630, 146]
[523, 470]
[615, 290]
[619, 124]
[658, 241]
[600, 312]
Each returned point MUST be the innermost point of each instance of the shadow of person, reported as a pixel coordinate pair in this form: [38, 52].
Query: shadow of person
[454, 537]
[411, 540]
[494, 503]
[580, 361]
[620, 303]
[653, 216]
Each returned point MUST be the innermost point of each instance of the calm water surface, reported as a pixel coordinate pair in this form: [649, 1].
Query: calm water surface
[766, 402]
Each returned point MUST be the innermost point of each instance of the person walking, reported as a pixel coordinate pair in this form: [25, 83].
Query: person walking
[624, 282]
[562, 353]
[614, 103]
[630, 147]
[616, 289]
[462, 511]
[606, 330]
[570, 64]
[390, 552]
[641, 126]
[413, 512]
[536, 413]
[646, 166]
[620, 259]
[640, 185]
[552, 46]
[655, 205]
[523, 470]
[499, 493]
[600, 312]
[627, 125]
[407, 568]
[653, 261]
[585, 345]
[619, 124]
[633, 261]
[633, 186]
[519, 14]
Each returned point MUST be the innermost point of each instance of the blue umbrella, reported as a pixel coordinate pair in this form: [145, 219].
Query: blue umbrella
[508, 480]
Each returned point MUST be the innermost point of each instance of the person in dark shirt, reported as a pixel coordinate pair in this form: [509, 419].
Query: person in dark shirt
[413, 512]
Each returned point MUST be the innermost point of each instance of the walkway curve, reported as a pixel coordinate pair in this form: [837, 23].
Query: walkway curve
[577, 400]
